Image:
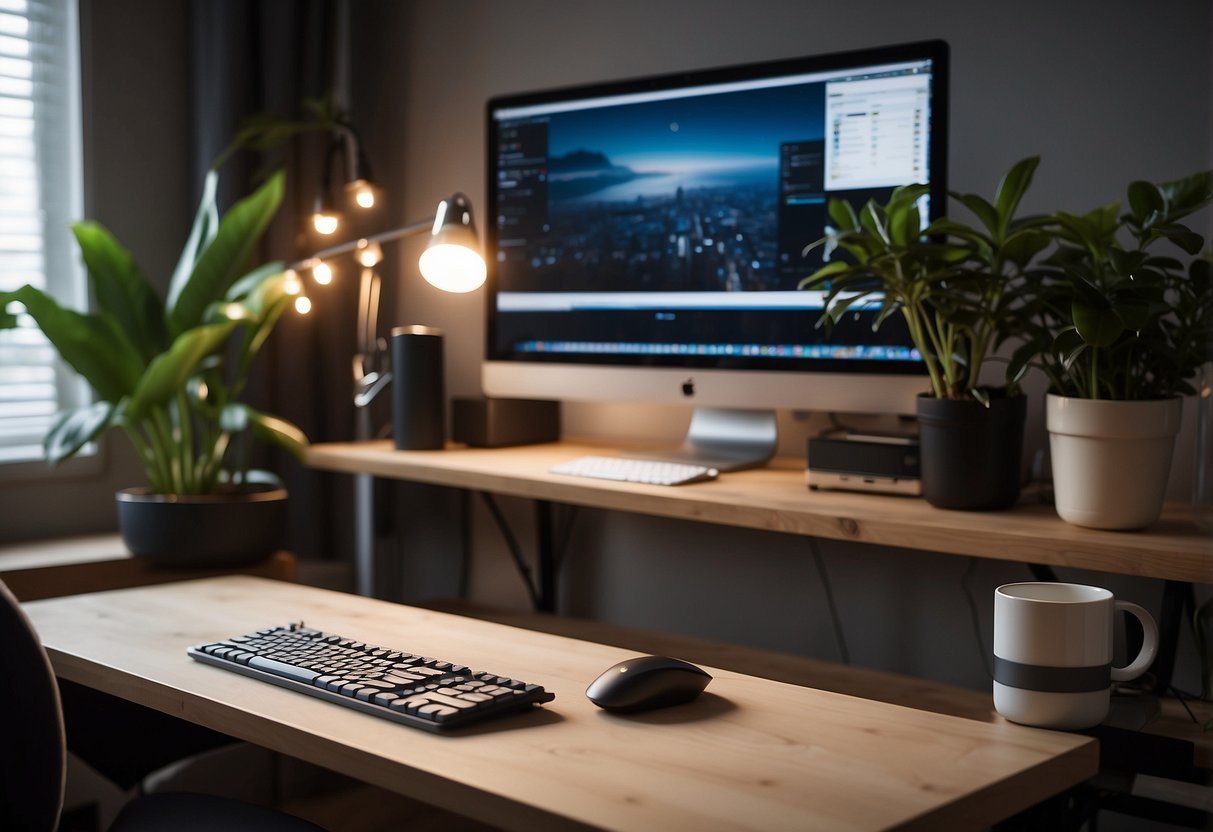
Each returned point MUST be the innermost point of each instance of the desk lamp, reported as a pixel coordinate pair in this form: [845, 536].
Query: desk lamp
[451, 261]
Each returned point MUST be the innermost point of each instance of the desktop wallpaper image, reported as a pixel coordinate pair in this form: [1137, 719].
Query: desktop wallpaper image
[671, 195]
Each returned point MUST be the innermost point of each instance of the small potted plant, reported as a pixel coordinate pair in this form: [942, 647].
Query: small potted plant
[170, 374]
[1120, 324]
[956, 287]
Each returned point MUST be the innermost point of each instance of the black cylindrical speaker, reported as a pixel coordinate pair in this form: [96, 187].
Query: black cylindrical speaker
[418, 401]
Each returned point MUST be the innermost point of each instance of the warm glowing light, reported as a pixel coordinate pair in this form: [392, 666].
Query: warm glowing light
[325, 222]
[452, 268]
[321, 273]
[291, 284]
[368, 254]
[303, 304]
[363, 193]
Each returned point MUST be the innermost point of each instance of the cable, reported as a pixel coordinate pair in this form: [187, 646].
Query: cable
[844, 655]
[511, 543]
[975, 616]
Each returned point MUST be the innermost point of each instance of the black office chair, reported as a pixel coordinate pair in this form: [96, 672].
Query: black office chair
[33, 765]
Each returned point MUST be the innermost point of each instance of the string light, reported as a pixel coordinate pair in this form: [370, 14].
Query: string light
[303, 304]
[322, 273]
[363, 193]
[368, 254]
[291, 284]
[325, 222]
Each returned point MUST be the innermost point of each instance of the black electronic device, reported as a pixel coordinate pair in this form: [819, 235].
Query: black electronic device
[413, 690]
[887, 464]
[418, 411]
[647, 682]
[497, 423]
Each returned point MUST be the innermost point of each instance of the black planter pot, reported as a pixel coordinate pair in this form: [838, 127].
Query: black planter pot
[202, 530]
[970, 453]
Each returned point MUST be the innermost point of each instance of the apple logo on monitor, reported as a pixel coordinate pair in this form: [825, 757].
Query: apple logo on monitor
[688, 388]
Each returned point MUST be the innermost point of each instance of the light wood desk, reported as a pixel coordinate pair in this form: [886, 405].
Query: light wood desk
[749, 754]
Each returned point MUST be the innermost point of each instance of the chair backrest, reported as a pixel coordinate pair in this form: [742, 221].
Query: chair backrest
[33, 762]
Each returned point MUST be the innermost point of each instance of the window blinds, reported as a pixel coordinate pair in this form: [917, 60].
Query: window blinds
[40, 196]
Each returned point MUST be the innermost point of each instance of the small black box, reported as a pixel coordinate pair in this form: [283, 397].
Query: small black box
[885, 464]
[495, 423]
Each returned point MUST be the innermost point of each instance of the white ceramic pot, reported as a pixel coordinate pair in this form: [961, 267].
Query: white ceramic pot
[1111, 459]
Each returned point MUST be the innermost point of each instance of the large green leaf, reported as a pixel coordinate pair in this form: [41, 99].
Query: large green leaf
[1096, 320]
[1188, 194]
[167, 374]
[92, 345]
[121, 289]
[236, 417]
[1011, 190]
[1146, 200]
[224, 259]
[206, 225]
[982, 209]
[843, 215]
[76, 427]
[279, 432]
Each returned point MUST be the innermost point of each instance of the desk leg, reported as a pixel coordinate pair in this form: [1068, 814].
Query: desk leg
[1178, 604]
[364, 534]
[546, 600]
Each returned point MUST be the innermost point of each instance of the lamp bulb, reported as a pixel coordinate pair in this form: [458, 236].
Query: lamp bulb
[303, 304]
[324, 222]
[452, 268]
[322, 273]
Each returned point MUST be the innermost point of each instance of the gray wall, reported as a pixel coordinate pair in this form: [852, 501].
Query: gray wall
[1105, 92]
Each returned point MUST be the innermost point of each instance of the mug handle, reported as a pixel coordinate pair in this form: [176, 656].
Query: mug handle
[1149, 644]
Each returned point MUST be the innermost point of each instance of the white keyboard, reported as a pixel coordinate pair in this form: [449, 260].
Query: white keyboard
[651, 471]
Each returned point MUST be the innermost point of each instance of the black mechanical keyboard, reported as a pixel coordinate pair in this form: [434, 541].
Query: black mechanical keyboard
[412, 690]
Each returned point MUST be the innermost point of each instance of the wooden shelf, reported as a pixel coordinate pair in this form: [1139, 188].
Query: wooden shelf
[775, 498]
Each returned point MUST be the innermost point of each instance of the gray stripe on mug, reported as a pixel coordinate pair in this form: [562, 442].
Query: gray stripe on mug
[1052, 679]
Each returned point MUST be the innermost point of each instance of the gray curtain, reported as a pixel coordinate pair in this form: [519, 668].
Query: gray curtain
[267, 56]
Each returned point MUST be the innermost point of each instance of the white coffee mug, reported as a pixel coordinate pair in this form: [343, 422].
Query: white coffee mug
[1053, 653]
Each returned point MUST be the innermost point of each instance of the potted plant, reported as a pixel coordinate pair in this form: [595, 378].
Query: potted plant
[169, 373]
[1120, 329]
[955, 286]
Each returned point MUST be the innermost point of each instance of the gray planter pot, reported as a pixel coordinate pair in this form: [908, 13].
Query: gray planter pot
[202, 530]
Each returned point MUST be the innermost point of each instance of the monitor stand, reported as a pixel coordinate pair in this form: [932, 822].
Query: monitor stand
[728, 439]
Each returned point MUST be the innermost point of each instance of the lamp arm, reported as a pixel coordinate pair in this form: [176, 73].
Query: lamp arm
[382, 237]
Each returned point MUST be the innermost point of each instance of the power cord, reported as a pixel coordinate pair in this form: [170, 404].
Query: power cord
[975, 616]
[844, 655]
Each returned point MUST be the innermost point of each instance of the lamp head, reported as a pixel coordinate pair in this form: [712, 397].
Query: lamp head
[451, 261]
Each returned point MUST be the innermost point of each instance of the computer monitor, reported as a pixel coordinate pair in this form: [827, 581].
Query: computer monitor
[645, 238]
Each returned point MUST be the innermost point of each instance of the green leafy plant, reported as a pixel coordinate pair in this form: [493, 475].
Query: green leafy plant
[1111, 318]
[954, 284]
[170, 372]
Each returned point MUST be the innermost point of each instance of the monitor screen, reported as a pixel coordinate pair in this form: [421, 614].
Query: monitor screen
[660, 223]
